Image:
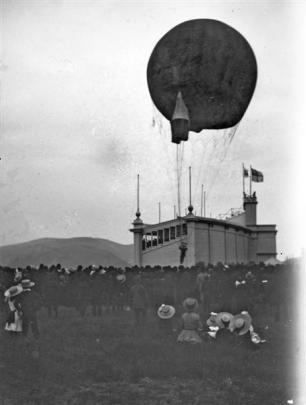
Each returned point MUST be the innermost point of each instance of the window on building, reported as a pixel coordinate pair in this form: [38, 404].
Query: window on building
[160, 236]
[167, 233]
[184, 229]
[154, 238]
[148, 240]
[172, 232]
[178, 231]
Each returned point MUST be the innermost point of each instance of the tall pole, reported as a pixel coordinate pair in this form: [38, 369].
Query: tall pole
[243, 188]
[137, 193]
[178, 181]
[159, 213]
[202, 200]
[204, 203]
[138, 232]
[174, 212]
[190, 185]
[190, 207]
[250, 180]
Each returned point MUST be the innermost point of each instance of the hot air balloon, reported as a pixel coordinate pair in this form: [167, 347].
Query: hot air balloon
[201, 75]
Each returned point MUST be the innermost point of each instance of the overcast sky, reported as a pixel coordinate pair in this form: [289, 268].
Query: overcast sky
[78, 124]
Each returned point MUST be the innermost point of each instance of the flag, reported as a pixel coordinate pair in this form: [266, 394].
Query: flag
[245, 172]
[257, 176]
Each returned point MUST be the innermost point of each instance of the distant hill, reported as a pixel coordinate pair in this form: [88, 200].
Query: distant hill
[68, 252]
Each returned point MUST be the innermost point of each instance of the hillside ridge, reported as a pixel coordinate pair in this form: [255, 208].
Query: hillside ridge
[69, 252]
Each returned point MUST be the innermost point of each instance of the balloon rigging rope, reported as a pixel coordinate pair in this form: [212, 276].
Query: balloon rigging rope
[209, 152]
[179, 167]
[178, 174]
[164, 133]
[218, 152]
[228, 140]
[205, 157]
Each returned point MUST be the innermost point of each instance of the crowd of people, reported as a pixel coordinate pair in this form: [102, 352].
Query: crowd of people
[221, 297]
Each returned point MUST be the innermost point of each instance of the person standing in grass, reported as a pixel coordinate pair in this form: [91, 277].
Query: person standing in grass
[191, 322]
[138, 298]
[165, 315]
[31, 303]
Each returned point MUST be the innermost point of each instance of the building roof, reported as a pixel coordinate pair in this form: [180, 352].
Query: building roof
[193, 218]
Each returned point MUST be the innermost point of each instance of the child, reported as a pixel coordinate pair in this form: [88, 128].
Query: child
[191, 322]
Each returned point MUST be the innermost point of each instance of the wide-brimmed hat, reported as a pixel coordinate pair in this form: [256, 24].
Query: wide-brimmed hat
[165, 311]
[121, 278]
[13, 291]
[190, 304]
[222, 318]
[213, 333]
[26, 283]
[241, 321]
[238, 283]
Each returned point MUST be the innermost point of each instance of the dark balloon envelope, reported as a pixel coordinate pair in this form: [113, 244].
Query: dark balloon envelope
[214, 68]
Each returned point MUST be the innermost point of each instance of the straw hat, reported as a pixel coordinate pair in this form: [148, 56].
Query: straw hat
[241, 321]
[190, 304]
[13, 291]
[121, 278]
[222, 318]
[212, 334]
[165, 311]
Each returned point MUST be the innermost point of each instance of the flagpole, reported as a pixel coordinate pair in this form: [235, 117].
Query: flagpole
[190, 186]
[204, 203]
[250, 180]
[202, 200]
[243, 188]
[137, 193]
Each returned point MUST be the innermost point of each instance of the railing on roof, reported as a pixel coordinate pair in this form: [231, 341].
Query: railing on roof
[233, 212]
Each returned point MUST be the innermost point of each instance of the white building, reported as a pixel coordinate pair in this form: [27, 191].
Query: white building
[192, 239]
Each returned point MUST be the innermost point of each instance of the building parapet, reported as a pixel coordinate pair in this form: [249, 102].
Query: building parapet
[263, 228]
[214, 221]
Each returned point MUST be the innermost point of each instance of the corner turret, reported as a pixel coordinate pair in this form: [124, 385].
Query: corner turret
[250, 208]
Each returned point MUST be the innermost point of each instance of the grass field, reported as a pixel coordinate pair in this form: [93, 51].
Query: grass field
[105, 360]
